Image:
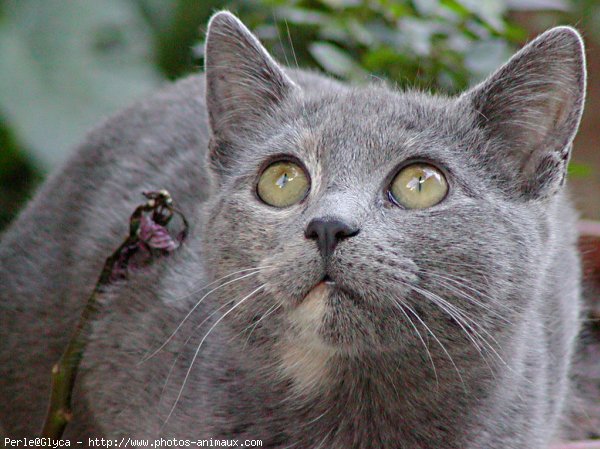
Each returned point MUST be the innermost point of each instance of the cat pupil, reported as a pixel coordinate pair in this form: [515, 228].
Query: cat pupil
[282, 181]
[416, 184]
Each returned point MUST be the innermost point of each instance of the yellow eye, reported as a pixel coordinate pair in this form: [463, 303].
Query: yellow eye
[419, 186]
[282, 184]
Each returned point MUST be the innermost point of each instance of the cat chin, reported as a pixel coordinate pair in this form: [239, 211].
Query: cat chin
[322, 335]
[328, 321]
[304, 356]
[307, 317]
[309, 353]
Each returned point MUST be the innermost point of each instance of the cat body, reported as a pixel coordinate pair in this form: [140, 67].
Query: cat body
[450, 326]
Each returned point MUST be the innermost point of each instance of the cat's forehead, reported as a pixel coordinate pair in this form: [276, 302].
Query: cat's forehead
[415, 107]
[369, 128]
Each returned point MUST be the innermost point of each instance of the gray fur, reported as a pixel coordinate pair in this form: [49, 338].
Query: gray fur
[366, 373]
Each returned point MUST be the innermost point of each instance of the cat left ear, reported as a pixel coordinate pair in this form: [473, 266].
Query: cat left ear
[243, 82]
[530, 110]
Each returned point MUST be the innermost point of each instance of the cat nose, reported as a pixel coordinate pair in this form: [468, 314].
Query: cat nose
[328, 233]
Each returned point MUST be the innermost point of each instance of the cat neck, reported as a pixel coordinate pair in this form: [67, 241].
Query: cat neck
[369, 401]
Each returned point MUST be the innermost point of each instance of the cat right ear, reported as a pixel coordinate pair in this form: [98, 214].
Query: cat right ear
[530, 110]
[243, 82]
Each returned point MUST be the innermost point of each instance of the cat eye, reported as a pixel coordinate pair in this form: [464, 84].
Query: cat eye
[283, 184]
[418, 186]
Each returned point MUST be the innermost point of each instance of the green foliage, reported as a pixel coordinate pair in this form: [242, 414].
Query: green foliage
[580, 170]
[18, 177]
[428, 44]
[65, 65]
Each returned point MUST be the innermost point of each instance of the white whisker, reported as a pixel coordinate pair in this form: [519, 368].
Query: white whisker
[189, 370]
[170, 337]
[400, 305]
[183, 347]
[462, 319]
[416, 315]
[269, 311]
[466, 296]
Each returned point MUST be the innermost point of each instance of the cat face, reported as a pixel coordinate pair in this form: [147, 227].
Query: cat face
[364, 220]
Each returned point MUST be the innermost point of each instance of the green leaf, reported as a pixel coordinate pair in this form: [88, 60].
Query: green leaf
[427, 7]
[417, 34]
[537, 5]
[342, 3]
[64, 66]
[485, 56]
[577, 170]
[491, 11]
[301, 16]
[334, 60]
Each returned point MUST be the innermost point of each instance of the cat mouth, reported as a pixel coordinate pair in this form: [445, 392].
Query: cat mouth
[327, 280]
[320, 291]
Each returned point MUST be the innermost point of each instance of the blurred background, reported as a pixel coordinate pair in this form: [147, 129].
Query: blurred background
[65, 65]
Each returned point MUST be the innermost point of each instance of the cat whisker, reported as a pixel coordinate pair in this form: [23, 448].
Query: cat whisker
[289, 36]
[314, 420]
[400, 306]
[458, 314]
[285, 56]
[472, 299]
[290, 446]
[461, 316]
[166, 382]
[416, 315]
[189, 370]
[463, 319]
[452, 307]
[185, 343]
[324, 439]
[253, 271]
[463, 282]
[269, 311]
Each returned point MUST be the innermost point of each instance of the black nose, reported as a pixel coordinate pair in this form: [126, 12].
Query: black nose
[328, 233]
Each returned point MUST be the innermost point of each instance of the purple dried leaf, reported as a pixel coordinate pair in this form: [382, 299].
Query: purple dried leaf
[155, 235]
[148, 237]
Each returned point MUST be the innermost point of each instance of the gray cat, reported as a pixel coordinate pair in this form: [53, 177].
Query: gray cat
[366, 268]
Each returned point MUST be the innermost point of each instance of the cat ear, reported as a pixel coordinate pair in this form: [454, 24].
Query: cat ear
[243, 82]
[530, 110]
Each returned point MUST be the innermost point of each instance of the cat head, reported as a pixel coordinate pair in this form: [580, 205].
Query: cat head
[363, 220]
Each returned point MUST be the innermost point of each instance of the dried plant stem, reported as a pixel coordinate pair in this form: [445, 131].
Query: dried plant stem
[65, 370]
[142, 235]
